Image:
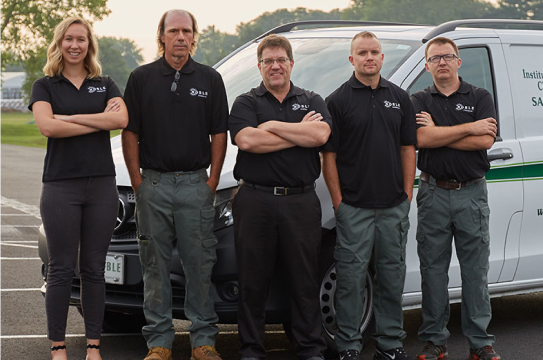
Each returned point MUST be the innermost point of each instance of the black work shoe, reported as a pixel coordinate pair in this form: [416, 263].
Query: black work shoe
[484, 353]
[396, 354]
[349, 354]
[433, 352]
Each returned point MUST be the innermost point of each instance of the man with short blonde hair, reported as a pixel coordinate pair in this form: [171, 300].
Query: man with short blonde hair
[369, 168]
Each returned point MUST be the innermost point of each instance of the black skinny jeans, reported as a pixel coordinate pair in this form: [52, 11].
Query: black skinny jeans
[78, 214]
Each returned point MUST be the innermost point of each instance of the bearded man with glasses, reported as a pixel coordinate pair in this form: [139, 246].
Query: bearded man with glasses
[278, 129]
[455, 126]
[177, 128]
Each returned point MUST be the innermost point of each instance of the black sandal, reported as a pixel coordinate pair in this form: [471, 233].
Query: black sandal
[92, 346]
[60, 347]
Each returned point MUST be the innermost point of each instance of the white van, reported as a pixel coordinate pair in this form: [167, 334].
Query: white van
[506, 62]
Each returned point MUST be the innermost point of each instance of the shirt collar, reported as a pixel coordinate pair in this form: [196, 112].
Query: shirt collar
[294, 90]
[166, 69]
[61, 77]
[462, 89]
[355, 83]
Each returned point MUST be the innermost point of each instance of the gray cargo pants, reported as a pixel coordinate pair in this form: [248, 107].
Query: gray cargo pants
[361, 232]
[463, 214]
[168, 206]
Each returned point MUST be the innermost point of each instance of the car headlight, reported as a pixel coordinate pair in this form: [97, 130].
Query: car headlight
[223, 208]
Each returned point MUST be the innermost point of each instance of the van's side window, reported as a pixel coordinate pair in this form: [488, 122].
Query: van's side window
[475, 69]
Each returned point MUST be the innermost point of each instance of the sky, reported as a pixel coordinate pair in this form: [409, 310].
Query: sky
[138, 19]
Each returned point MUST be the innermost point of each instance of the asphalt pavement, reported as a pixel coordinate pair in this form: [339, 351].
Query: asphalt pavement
[517, 320]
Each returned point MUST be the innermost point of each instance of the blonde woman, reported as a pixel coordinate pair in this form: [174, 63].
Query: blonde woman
[75, 107]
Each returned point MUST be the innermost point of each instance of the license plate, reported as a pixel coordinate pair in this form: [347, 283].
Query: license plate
[114, 273]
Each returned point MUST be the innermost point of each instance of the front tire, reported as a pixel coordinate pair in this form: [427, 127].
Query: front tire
[327, 298]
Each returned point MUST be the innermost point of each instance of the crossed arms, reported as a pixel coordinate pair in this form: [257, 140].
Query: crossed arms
[477, 135]
[275, 135]
[52, 125]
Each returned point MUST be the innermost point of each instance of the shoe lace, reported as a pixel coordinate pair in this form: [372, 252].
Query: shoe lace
[350, 353]
[209, 349]
[488, 349]
[157, 350]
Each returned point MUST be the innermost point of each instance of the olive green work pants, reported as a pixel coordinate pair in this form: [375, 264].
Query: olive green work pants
[464, 215]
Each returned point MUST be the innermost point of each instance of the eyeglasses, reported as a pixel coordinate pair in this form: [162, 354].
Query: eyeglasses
[175, 81]
[270, 62]
[436, 59]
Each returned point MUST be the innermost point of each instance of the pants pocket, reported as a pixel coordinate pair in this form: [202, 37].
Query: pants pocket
[147, 250]
[207, 217]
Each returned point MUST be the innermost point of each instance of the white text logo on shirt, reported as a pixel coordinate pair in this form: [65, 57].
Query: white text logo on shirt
[297, 106]
[99, 89]
[199, 93]
[390, 104]
[466, 108]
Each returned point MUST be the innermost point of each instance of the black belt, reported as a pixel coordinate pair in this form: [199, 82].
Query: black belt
[279, 190]
[449, 184]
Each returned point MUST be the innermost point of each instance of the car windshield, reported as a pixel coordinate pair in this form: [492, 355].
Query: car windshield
[320, 64]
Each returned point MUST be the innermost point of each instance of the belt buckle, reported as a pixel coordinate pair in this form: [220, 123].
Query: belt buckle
[458, 184]
[280, 191]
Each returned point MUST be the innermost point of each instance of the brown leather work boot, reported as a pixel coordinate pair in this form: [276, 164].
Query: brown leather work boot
[206, 352]
[159, 353]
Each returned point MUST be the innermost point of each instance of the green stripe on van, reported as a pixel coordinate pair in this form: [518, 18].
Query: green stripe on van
[515, 172]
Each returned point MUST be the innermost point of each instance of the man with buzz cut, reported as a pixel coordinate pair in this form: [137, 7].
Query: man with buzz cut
[455, 126]
[369, 168]
[278, 128]
[178, 118]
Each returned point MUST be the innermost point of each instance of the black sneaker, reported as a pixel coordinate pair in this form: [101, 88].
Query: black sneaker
[433, 352]
[349, 354]
[392, 354]
[484, 353]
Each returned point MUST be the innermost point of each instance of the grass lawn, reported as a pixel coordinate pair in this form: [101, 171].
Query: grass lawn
[20, 129]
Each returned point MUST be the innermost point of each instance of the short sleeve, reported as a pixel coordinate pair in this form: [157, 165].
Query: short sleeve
[40, 92]
[319, 106]
[485, 105]
[112, 89]
[408, 131]
[418, 104]
[132, 98]
[335, 112]
[219, 111]
[242, 115]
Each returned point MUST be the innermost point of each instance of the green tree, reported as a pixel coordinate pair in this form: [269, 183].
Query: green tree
[519, 9]
[27, 28]
[416, 11]
[214, 45]
[269, 20]
[119, 56]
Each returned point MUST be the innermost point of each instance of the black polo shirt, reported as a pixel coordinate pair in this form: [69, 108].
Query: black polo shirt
[467, 104]
[293, 167]
[76, 156]
[174, 126]
[370, 126]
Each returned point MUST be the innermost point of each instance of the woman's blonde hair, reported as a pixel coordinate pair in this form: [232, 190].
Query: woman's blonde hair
[55, 62]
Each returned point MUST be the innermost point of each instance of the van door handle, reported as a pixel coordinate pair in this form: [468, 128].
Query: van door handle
[500, 154]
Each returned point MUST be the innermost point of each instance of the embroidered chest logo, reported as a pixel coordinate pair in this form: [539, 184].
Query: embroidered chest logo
[302, 107]
[391, 105]
[465, 108]
[199, 93]
[99, 89]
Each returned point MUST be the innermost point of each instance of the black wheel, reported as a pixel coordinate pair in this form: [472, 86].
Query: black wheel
[118, 322]
[327, 296]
